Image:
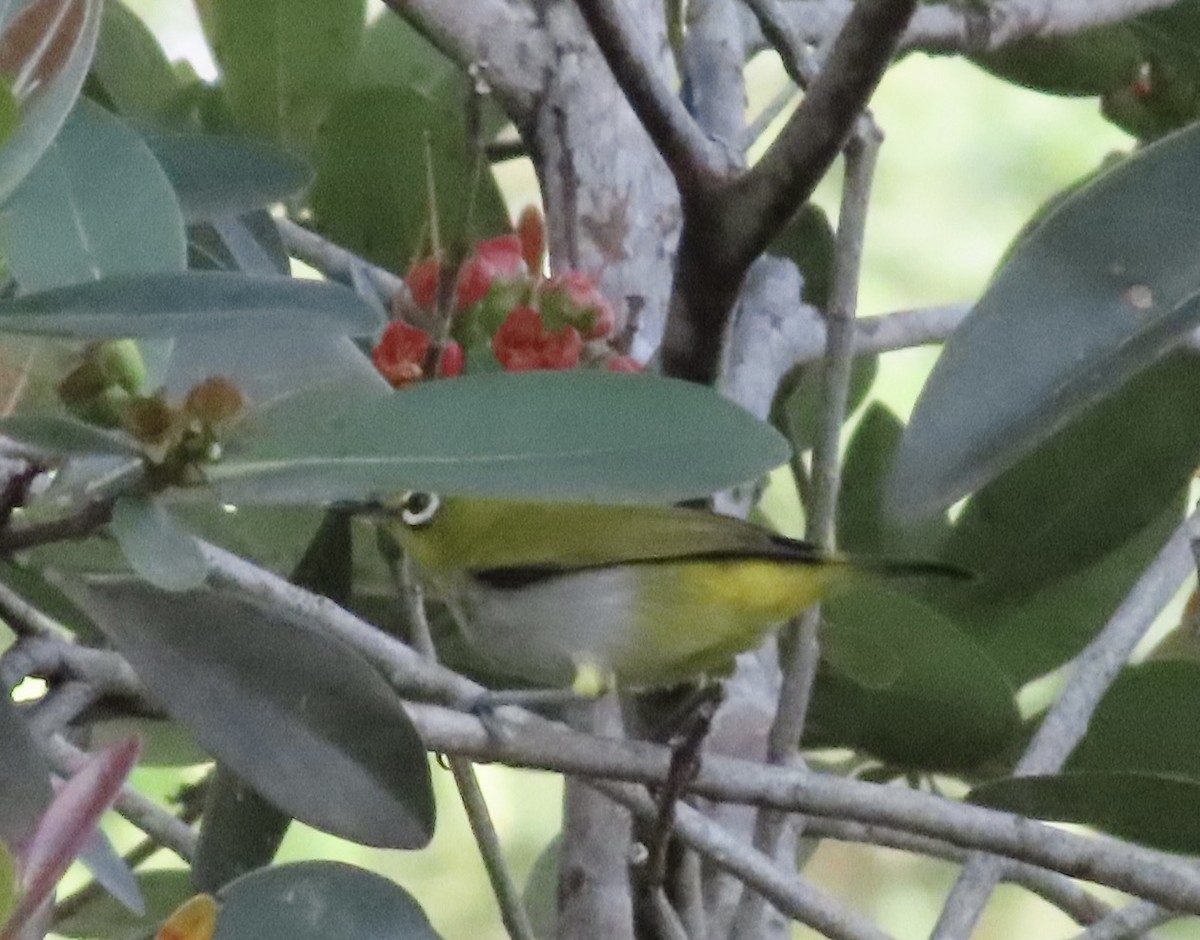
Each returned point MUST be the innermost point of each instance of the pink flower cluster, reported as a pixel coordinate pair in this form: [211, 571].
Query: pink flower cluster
[503, 310]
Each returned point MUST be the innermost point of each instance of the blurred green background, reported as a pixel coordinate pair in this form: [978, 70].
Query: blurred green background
[967, 159]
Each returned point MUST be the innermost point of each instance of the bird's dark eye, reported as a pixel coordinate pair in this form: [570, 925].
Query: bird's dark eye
[418, 509]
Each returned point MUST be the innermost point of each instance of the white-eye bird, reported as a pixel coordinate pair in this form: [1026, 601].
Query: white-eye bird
[585, 595]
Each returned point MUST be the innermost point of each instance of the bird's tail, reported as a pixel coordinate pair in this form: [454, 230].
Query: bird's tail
[900, 568]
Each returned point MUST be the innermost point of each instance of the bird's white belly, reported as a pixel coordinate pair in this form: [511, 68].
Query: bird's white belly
[542, 631]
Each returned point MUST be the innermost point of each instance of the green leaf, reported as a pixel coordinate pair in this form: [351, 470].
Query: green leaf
[319, 901]
[808, 241]
[24, 777]
[8, 884]
[64, 436]
[131, 66]
[370, 194]
[863, 526]
[1028, 635]
[949, 708]
[190, 302]
[394, 54]
[1151, 809]
[1094, 294]
[52, 51]
[1088, 489]
[97, 204]
[585, 435]
[165, 743]
[283, 61]
[163, 891]
[218, 176]
[156, 546]
[541, 890]
[802, 409]
[242, 831]
[1093, 62]
[1146, 722]
[289, 709]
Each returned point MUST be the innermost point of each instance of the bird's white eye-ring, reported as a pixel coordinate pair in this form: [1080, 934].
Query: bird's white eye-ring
[418, 509]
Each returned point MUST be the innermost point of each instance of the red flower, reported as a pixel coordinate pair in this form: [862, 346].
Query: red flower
[522, 343]
[496, 257]
[453, 360]
[623, 364]
[401, 352]
[585, 305]
[422, 281]
[531, 230]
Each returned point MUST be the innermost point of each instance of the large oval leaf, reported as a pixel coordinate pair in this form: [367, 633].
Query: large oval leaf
[45, 50]
[218, 176]
[319, 901]
[130, 66]
[282, 61]
[1095, 293]
[1146, 722]
[156, 546]
[1152, 809]
[188, 302]
[579, 435]
[297, 714]
[1088, 489]
[24, 776]
[370, 193]
[97, 204]
[947, 708]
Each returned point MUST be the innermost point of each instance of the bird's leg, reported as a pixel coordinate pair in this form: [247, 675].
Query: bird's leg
[685, 742]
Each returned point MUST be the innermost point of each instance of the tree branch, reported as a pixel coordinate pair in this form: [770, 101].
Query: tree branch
[802, 642]
[1062, 892]
[762, 201]
[726, 227]
[1133, 920]
[791, 895]
[536, 744]
[693, 159]
[969, 28]
[947, 28]
[83, 523]
[1093, 671]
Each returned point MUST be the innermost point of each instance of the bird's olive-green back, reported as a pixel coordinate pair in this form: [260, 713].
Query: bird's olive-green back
[480, 534]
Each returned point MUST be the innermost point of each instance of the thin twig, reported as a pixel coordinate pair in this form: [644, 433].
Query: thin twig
[667, 924]
[508, 897]
[766, 117]
[801, 645]
[334, 260]
[27, 620]
[1070, 898]
[61, 706]
[81, 524]
[794, 897]
[1132, 921]
[1093, 671]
